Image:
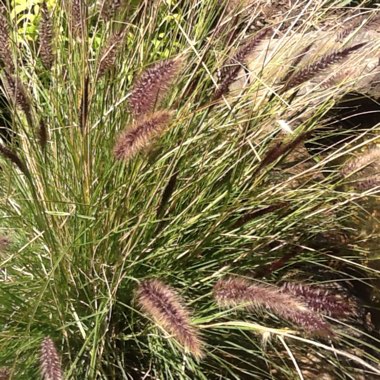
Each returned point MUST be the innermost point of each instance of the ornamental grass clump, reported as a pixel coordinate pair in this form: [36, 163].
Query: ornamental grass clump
[139, 194]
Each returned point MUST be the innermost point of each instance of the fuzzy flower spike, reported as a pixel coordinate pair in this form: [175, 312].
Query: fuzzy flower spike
[164, 306]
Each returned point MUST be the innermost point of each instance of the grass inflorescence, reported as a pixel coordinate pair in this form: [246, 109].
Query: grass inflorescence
[159, 223]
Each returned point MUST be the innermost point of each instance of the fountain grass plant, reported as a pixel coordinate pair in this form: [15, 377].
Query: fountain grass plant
[155, 224]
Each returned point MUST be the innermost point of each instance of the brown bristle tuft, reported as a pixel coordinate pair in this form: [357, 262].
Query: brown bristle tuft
[364, 160]
[232, 68]
[5, 373]
[13, 157]
[323, 300]
[109, 8]
[77, 10]
[17, 92]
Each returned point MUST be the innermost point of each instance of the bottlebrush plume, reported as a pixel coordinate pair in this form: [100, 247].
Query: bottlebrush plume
[230, 70]
[13, 157]
[162, 304]
[50, 361]
[315, 68]
[108, 8]
[364, 160]
[5, 373]
[240, 292]
[77, 16]
[140, 135]
[5, 51]
[42, 134]
[367, 183]
[17, 92]
[109, 53]
[323, 301]
[297, 60]
[152, 86]
[46, 37]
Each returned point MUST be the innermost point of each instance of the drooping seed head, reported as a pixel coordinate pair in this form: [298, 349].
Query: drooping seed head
[363, 161]
[232, 67]
[5, 373]
[109, 8]
[10, 155]
[320, 65]
[240, 292]
[17, 93]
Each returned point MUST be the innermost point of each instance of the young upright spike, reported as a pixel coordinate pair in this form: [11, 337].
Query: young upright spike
[163, 304]
[43, 134]
[240, 292]
[50, 361]
[46, 37]
[136, 137]
[152, 86]
[5, 51]
[17, 92]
